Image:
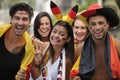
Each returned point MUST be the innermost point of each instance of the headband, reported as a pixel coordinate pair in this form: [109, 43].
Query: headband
[57, 13]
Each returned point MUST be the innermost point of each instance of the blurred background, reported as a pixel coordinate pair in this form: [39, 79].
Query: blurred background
[65, 5]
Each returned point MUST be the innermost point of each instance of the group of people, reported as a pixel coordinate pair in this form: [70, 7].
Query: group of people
[54, 52]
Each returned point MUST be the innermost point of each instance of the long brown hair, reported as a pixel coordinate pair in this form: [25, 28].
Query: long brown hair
[69, 47]
[37, 24]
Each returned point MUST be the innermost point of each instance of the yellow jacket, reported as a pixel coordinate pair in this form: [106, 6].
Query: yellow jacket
[29, 48]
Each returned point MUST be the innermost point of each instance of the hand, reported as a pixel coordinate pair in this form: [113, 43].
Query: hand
[37, 44]
[40, 48]
[21, 75]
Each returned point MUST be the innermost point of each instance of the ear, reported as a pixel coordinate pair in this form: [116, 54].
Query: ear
[71, 15]
[56, 10]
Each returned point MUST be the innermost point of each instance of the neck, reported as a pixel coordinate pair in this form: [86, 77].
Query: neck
[99, 42]
[80, 43]
[58, 51]
[12, 38]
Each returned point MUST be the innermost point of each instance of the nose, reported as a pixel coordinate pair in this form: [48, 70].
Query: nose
[56, 35]
[44, 26]
[20, 22]
[97, 26]
[79, 30]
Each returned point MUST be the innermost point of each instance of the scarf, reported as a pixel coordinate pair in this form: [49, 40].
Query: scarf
[46, 69]
[87, 62]
[75, 69]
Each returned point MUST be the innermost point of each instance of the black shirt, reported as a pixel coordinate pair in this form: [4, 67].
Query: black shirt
[9, 63]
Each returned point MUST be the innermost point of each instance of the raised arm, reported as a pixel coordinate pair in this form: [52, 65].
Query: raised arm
[40, 49]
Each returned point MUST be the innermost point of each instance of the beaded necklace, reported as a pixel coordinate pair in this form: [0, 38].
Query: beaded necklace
[59, 73]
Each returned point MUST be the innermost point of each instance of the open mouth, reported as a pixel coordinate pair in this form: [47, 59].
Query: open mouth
[55, 40]
[19, 28]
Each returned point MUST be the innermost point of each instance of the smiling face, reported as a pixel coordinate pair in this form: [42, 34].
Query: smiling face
[59, 36]
[20, 22]
[80, 30]
[44, 28]
[98, 27]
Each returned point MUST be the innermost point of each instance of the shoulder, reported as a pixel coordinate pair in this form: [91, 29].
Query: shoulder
[4, 28]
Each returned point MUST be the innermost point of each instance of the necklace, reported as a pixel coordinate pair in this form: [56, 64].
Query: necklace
[59, 70]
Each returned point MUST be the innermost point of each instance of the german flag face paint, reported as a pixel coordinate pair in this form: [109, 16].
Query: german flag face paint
[57, 12]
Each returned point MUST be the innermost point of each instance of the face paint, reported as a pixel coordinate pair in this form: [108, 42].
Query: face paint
[59, 36]
[64, 39]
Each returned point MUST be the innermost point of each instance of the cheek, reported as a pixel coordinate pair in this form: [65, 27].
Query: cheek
[13, 21]
[106, 26]
[51, 35]
[38, 30]
[49, 29]
[90, 28]
[84, 31]
[75, 30]
[26, 22]
[63, 39]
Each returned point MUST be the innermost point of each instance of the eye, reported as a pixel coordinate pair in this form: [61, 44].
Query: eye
[54, 31]
[92, 24]
[25, 19]
[17, 18]
[62, 34]
[76, 27]
[101, 22]
[47, 23]
[83, 27]
[41, 24]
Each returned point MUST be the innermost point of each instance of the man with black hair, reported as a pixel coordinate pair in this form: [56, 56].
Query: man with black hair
[100, 55]
[16, 48]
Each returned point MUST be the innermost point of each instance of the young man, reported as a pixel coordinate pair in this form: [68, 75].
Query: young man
[100, 56]
[16, 48]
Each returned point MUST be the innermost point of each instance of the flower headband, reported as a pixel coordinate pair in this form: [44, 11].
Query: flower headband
[57, 13]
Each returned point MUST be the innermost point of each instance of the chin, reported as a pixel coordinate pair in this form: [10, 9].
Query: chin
[99, 38]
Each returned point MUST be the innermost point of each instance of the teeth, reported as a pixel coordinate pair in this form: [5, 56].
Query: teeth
[18, 27]
[79, 35]
[55, 40]
[99, 31]
[44, 30]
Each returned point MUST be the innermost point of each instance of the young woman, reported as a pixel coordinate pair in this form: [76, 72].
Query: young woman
[43, 26]
[81, 32]
[59, 57]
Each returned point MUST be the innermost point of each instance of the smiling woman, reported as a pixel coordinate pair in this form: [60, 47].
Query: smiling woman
[43, 26]
[58, 59]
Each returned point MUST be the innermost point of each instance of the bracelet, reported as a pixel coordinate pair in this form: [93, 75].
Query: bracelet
[38, 65]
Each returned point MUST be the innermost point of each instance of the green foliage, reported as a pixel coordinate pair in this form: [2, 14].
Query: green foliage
[88, 3]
